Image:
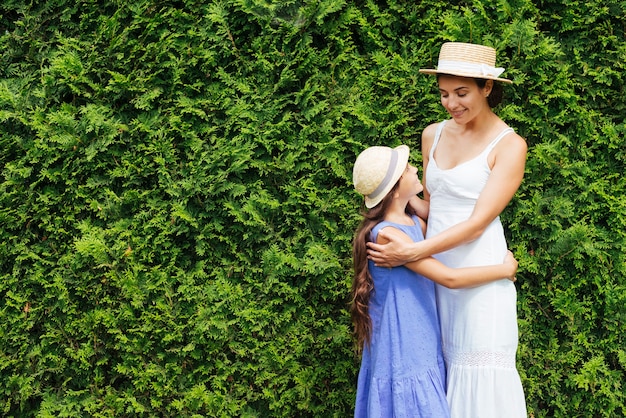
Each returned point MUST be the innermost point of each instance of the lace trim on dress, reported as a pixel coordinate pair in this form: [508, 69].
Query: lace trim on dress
[481, 359]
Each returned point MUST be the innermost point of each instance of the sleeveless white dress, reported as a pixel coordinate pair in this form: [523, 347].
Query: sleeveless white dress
[478, 325]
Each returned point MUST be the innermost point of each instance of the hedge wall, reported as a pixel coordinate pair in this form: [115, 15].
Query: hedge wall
[176, 206]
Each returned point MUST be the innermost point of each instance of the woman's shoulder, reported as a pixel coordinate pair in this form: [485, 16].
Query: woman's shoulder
[431, 129]
[510, 151]
[428, 136]
[513, 141]
[505, 135]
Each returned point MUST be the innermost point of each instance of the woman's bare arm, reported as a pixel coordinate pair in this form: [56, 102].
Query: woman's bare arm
[506, 176]
[459, 277]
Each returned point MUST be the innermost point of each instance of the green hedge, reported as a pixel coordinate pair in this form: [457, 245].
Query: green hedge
[176, 206]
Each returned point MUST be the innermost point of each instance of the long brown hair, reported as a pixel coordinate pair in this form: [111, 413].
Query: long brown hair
[362, 283]
[497, 92]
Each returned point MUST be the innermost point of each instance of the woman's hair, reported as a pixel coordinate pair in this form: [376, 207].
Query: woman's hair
[495, 97]
[362, 283]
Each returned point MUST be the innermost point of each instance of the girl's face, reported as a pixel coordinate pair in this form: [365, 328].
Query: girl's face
[410, 183]
[462, 97]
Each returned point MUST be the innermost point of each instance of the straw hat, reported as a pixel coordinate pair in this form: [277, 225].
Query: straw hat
[377, 170]
[467, 60]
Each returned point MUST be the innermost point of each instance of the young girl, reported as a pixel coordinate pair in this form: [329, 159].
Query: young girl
[394, 313]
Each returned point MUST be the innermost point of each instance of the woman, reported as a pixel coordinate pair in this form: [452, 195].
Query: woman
[395, 317]
[473, 165]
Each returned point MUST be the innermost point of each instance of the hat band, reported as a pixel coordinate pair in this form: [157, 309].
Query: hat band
[469, 67]
[390, 170]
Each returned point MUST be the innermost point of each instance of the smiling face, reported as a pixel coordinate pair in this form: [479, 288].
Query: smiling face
[462, 97]
[410, 183]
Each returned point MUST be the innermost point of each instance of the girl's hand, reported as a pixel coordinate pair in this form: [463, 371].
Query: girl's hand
[511, 262]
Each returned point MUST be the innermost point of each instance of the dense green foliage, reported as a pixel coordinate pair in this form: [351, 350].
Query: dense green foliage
[176, 206]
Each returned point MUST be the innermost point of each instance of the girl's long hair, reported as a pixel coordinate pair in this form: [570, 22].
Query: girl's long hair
[362, 283]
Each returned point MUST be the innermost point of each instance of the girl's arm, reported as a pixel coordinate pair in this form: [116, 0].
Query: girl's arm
[420, 206]
[454, 278]
[506, 176]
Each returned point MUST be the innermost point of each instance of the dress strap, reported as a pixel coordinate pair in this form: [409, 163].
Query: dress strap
[498, 138]
[436, 140]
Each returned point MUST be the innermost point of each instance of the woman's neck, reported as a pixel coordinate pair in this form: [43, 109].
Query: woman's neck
[483, 122]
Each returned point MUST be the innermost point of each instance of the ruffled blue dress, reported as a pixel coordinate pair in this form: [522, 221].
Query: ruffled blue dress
[402, 371]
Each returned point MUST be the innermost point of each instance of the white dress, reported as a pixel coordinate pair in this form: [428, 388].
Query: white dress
[478, 325]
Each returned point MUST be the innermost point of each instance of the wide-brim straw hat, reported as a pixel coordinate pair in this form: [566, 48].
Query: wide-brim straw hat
[377, 169]
[467, 60]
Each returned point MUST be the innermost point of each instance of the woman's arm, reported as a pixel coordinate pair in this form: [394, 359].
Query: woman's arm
[506, 175]
[455, 278]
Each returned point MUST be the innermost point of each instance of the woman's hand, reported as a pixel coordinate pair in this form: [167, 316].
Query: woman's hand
[511, 262]
[392, 250]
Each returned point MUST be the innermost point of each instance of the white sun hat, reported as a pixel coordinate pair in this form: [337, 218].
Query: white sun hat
[467, 60]
[376, 171]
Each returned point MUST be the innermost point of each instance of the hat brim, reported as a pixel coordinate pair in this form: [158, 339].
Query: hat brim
[403, 160]
[462, 74]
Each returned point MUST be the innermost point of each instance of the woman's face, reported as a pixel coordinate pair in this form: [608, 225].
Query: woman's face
[462, 97]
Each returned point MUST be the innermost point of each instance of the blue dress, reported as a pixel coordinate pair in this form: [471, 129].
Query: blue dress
[402, 371]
